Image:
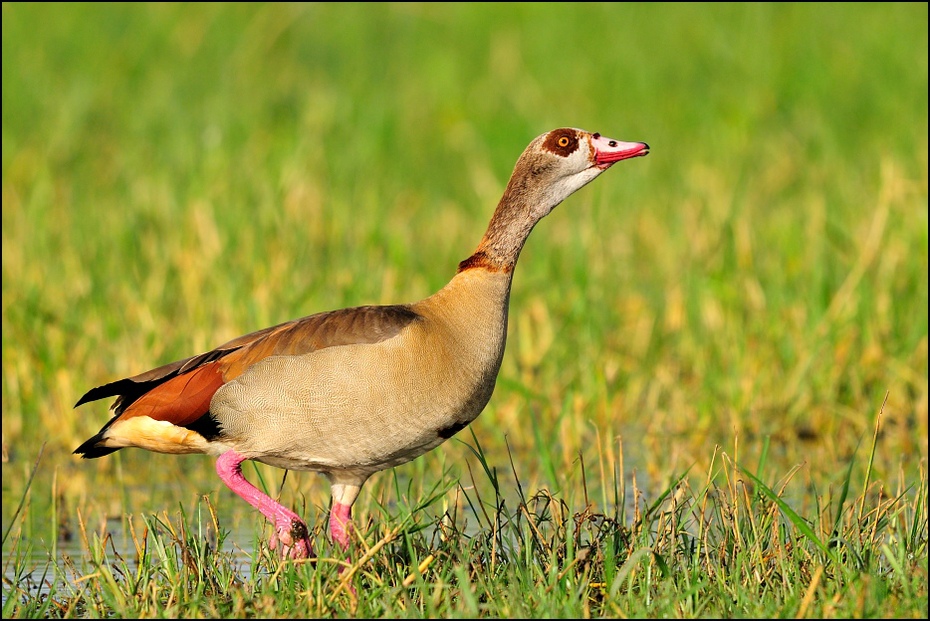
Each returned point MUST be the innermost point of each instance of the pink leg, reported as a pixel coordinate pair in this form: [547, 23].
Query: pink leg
[340, 520]
[340, 515]
[290, 530]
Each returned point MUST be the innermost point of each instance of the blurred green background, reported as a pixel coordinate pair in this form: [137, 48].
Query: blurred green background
[177, 175]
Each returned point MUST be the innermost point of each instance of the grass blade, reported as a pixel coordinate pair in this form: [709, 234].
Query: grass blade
[799, 522]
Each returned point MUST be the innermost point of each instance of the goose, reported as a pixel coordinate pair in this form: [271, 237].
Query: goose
[350, 392]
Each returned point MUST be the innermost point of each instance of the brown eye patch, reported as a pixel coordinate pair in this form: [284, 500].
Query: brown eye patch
[561, 142]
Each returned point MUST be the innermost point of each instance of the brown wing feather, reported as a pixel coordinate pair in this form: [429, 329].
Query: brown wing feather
[363, 324]
[180, 392]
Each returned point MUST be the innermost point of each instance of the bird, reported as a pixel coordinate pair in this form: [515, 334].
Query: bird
[351, 392]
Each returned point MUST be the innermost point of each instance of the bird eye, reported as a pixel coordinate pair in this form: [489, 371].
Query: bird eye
[564, 141]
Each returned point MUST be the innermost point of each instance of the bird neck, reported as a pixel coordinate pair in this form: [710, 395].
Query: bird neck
[518, 211]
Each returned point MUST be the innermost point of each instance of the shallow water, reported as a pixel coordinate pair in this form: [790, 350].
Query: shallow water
[41, 568]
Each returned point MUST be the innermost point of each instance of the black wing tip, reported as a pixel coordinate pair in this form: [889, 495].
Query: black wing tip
[92, 395]
[85, 399]
[113, 389]
[92, 449]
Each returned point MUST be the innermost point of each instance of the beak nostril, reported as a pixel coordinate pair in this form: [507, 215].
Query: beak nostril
[612, 143]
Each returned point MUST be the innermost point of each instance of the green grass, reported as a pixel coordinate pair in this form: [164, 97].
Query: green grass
[714, 399]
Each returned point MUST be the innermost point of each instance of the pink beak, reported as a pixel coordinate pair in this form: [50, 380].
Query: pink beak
[607, 151]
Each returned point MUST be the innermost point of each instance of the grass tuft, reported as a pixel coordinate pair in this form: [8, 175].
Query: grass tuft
[722, 550]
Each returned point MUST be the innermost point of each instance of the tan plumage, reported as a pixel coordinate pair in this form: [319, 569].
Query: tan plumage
[354, 391]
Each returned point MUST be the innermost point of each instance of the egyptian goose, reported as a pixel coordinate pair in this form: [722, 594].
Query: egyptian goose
[351, 392]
